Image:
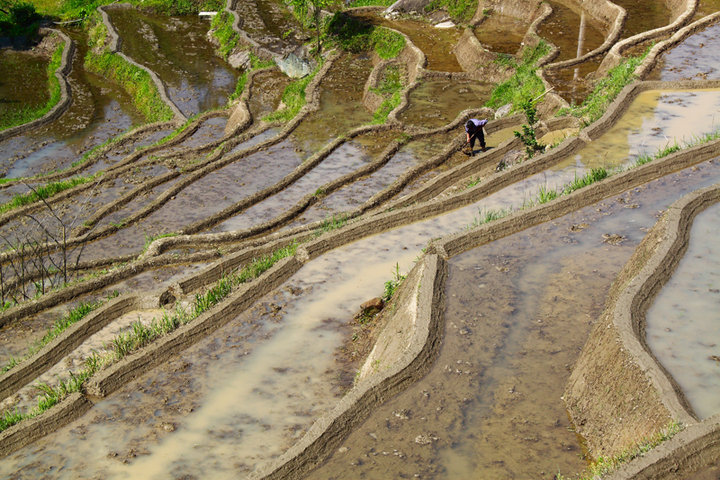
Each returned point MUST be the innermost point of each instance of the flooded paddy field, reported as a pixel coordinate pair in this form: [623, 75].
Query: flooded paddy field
[683, 328]
[501, 33]
[197, 80]
[98, 112]
[517, 312]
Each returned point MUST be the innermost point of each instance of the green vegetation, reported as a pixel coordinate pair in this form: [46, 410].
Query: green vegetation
[527, 136]
[60, 325]
[28, 114]
[151, 238]
[141, 335]
[309, 12]
[18, 19]
[293, 99]
[222, 30]
[524, 85]
[370, 3]
[459, 10]
[603, 466]
[43, 192]
[332, 223]
[392, 285]
[79, 9]
[605, 91]
[390, 87]
[355, 35]
[136, 81]
[256, 63]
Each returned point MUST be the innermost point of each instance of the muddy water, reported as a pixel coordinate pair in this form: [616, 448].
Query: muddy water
[245, 371]
[697, 58]
[706, 7]
[266, 91]
[346, 159]
[196, 78]
[574, 32]
[683, 323]
[99, 111]
[434, 103]
[501, 34]
[644, 16]
[518, 311]
[270, 24]
[341, 107]
[656, 119]
[23, 76]
[436, 43]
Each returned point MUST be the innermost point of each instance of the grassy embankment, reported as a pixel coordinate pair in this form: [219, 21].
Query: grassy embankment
[605, 91]
[524, 85]
[353, 35]
[136, 81]
[141, 335]
[19, 117]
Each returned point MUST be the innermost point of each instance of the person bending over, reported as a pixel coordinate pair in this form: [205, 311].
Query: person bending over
[474, 130]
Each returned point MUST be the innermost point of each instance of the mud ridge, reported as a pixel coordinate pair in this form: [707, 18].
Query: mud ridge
[114, 47]
[61, 74]
[656, 397]
[683, 14]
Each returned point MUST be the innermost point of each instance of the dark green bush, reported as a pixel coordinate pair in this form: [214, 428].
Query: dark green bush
[20, 20]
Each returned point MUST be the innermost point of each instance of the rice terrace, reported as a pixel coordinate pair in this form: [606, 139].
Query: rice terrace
[313, 239]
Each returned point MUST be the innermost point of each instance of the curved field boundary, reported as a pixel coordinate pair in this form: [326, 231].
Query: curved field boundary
[61, 74]
[615, 55]
[635, 367]
[414, 333]
[690, 450]
[255, 47]
[149, 357]
[606, 13]
[114, 47]
[17, 377]
[651, 60]
[197, 171]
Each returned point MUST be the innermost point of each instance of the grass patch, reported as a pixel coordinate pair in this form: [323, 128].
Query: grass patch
[392, 285]
[370, 3]
[293, 99]
[43, 192]
[605, 465]
[222, 30]
[524, 85]
[605, 91]
[151, 238]
[332, 223]
[28, 114]
[354, 35]
[136, 81]
[459, 10]
[390, 87]
[58, 327]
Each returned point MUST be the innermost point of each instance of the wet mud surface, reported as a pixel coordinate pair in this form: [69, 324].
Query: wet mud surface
[501, 34]
[518, 312]
[271, 26]
[196, 79]
[99, 111]
[434, 103]
[683, 322]
[23, 76]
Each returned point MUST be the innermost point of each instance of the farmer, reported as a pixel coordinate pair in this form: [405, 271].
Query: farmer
[474, 130]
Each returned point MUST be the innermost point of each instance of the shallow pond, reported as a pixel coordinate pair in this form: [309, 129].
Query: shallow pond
[501, 33]
[696, 58]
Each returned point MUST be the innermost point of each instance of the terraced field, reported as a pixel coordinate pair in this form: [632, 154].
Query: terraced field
[263, 283]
